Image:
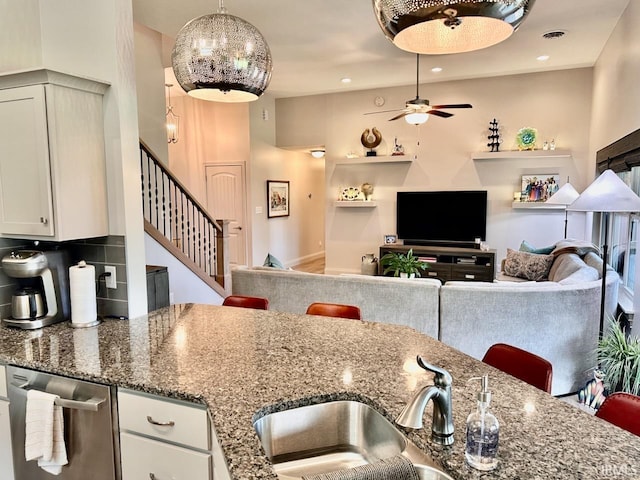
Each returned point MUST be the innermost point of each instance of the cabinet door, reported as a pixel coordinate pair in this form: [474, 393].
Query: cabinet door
[25, 180]
[143, 458]
[6, 459]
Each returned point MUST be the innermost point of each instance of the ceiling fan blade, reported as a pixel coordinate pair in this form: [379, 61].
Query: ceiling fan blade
[403, 114]
[453, 105]
[383, 111]
[438, 113]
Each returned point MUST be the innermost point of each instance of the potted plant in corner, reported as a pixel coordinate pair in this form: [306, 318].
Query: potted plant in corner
[402, 265]
[619, 360]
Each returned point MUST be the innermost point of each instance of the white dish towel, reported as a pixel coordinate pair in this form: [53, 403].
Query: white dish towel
[44, 432]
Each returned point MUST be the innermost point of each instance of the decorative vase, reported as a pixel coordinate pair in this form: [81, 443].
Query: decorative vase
[369, 265]
[406, 275]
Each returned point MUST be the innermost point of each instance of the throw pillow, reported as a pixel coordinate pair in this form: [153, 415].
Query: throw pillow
[527, 247]
[531, 266]
[272, 261]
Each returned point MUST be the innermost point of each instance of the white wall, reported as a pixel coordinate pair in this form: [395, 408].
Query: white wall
[300, 236]
[558, 104]
[20, 38]
[616, 95]
[184, 285]
[151, 91]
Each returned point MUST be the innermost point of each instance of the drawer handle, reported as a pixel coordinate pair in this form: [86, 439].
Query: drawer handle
[170, 423]
[432, 274]
[43, 220]
[470, 277]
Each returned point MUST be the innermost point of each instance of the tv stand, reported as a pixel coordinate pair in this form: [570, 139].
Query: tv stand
[450, 263]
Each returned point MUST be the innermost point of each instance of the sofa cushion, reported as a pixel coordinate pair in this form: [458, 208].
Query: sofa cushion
[531, 266]
[271, 261]
[527, 247]
[566, 265]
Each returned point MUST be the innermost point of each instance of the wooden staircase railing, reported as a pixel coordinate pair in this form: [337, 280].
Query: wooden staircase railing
[181, 225]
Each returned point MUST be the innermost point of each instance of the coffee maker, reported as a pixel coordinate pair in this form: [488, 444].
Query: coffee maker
[42, 297]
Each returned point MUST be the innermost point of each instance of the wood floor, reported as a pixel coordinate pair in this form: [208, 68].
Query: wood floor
[312, 266]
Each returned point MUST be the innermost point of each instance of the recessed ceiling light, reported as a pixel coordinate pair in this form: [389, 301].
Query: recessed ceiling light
[345, 80]
[436, 69]
[543, 58]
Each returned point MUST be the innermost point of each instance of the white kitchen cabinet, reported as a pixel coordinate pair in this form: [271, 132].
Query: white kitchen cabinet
[6, 458]
[52, 157]
[163, 438]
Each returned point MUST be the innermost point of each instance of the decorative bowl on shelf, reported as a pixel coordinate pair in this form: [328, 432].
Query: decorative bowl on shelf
[350, 193]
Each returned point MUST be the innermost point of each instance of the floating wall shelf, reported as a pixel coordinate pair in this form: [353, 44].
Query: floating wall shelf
[517, 155]
[378, 159]
[355, 204]
[537, 206]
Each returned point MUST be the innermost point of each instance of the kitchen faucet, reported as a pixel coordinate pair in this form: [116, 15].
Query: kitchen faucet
[440, 393]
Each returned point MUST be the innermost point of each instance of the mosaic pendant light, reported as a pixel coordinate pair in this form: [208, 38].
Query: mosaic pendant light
[446, 26]
[222, 58]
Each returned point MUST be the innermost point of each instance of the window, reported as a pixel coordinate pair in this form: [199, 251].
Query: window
[623, 236]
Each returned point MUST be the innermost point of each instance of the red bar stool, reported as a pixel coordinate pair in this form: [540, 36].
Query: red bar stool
[334, 310]
[257, 303]
[622, 410]
[521, 364]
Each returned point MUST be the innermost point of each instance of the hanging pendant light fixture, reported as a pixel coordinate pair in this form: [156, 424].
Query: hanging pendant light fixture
[446, 26]
[172, 120]
[222, 58]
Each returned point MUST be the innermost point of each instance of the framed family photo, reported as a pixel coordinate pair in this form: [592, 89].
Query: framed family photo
[539, 187]
[277, 198]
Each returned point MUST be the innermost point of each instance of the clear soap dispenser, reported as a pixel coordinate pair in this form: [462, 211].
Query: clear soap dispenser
[481, 451]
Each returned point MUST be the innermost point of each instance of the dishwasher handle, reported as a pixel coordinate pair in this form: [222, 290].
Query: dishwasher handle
[92, 405]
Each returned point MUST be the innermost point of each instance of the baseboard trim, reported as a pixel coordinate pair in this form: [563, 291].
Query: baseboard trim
[306, 258]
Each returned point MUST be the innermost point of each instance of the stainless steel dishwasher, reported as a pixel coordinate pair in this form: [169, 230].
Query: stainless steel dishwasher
[88, 425]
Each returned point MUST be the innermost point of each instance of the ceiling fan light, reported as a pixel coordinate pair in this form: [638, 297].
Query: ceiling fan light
[222, 58]
[317, 153]
[416, 118]
[444, 26]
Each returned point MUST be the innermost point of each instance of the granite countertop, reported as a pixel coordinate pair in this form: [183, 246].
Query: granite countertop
[242, 363]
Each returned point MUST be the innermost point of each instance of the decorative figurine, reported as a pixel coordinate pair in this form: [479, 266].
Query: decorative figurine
[494, 137]
[367, 189]
[371, 139]
[593, 393]
[552, 145]
[397, 148]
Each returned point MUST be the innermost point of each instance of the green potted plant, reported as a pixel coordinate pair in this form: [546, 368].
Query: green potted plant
[619, 360]
[402, 265]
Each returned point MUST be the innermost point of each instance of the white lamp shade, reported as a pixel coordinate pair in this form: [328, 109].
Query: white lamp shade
[607, 193]
[566, 195]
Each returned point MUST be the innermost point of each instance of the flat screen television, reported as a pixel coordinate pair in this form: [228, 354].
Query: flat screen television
[447, 218]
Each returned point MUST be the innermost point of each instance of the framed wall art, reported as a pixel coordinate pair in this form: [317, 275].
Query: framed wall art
[390, 239]
[539, 187]
[278, 200]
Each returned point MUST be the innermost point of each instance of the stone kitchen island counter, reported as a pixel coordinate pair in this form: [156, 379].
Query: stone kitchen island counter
[240, 362]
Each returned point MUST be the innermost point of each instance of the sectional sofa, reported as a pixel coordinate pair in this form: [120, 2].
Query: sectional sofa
[557, 319]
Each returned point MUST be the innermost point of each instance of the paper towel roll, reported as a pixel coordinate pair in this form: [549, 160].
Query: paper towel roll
[82, 286]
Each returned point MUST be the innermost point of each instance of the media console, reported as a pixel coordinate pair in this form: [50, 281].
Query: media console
[450, 263]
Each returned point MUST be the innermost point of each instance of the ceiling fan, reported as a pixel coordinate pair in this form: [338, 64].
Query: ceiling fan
[417, 111]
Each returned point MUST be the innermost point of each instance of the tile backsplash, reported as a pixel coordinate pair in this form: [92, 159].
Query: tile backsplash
[98, 252]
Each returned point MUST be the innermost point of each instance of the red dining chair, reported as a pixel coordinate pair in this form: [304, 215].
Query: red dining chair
[334, 310]
[521, 364]
[622, 410]
[257, 303]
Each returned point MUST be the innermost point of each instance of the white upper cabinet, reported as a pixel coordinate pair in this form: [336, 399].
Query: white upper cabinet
[52, 158]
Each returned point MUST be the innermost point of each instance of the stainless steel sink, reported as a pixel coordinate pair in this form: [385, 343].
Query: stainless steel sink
[333, 436]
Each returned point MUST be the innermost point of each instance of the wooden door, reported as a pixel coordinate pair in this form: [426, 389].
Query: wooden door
[226, 201]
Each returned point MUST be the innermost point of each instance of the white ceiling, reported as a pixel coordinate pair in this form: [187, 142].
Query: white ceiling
[316, 43]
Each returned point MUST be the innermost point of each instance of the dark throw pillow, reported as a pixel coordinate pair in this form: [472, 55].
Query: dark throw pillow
[531, 266]
[272, 261]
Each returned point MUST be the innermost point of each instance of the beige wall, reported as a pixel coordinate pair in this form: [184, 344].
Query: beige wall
[210, 132]
[558, 104]
[300, 236]
[151, 90]
[616, 95]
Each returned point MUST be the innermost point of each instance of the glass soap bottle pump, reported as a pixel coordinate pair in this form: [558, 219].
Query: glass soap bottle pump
[481, 451]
